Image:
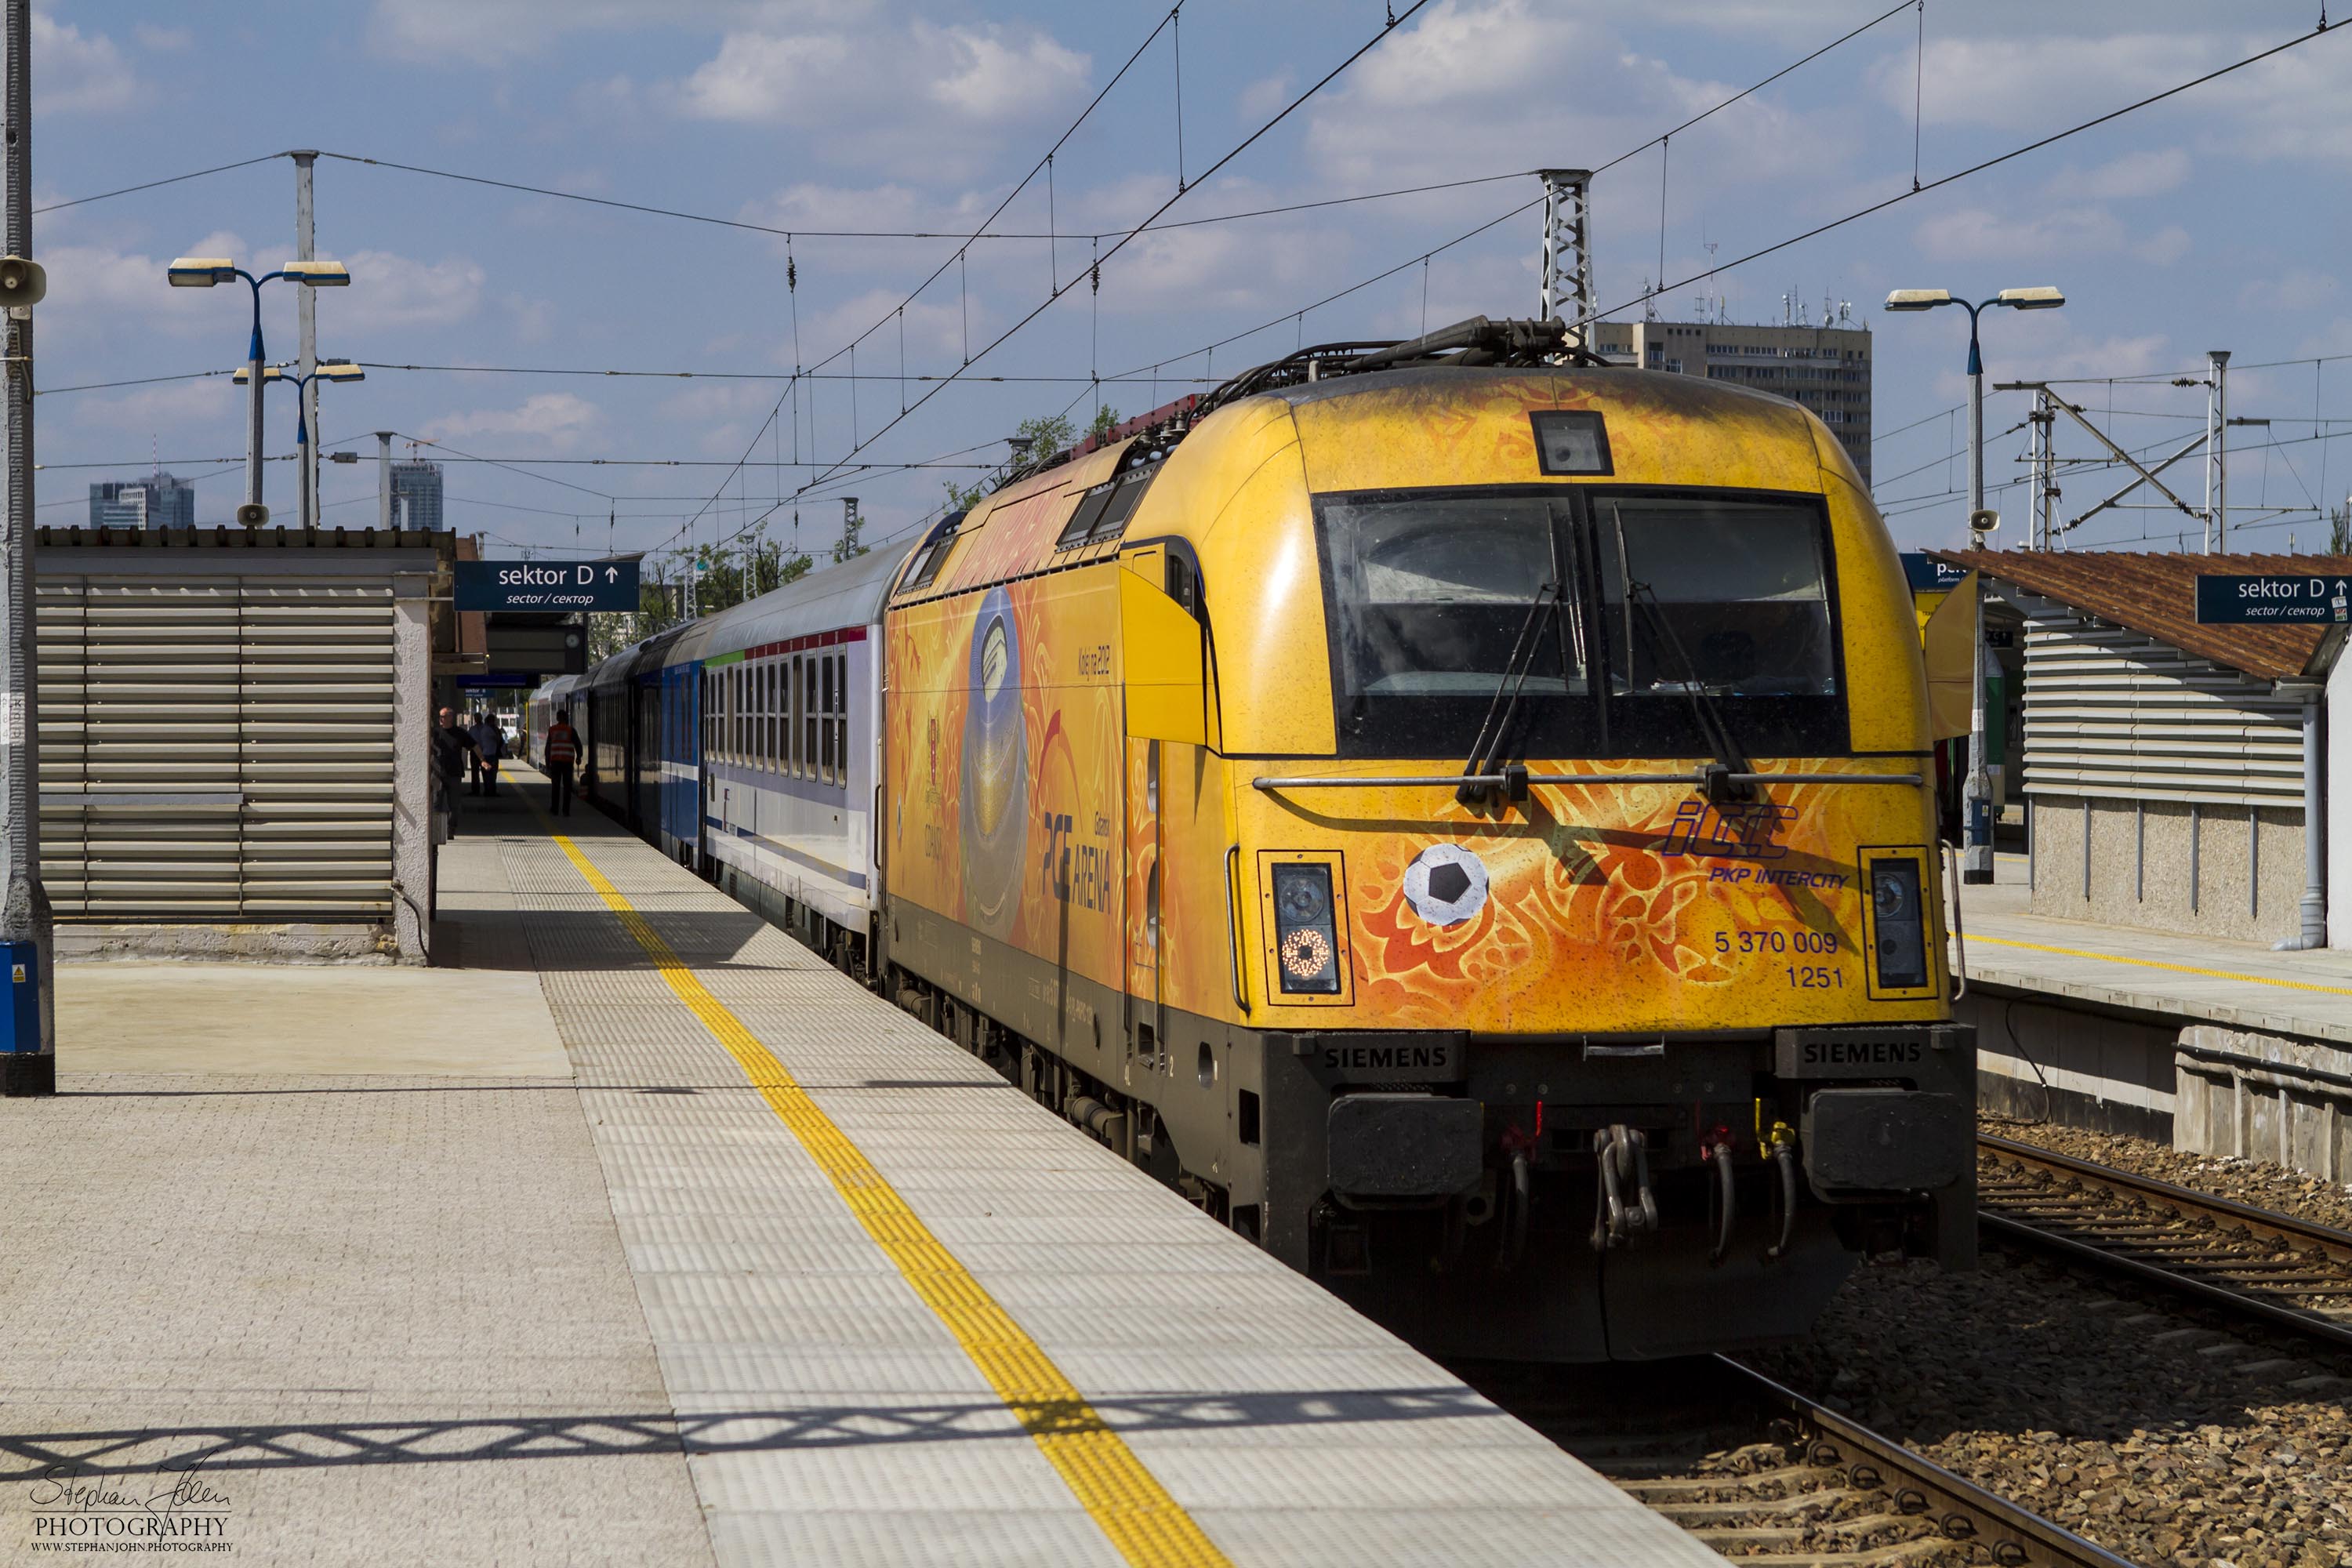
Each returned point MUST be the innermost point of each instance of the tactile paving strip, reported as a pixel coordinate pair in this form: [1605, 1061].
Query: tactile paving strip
[862, 1429]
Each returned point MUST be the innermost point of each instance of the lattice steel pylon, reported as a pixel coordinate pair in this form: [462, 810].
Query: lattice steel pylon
[1566, 251]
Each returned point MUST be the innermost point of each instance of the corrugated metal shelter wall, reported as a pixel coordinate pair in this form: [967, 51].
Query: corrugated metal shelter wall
[216, 747]
[2115, 715]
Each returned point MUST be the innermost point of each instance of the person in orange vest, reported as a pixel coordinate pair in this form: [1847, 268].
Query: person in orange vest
[562, 752]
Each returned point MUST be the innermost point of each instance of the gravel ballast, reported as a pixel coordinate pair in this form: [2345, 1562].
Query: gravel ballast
[2254, 1181]
[2157, 1435]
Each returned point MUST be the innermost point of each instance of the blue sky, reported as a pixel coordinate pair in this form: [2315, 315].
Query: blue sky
[2212, 220]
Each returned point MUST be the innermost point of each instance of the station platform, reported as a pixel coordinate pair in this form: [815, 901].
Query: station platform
[2237, 984]
[641, 1236]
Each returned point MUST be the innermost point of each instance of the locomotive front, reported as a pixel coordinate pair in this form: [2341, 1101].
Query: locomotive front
[1582, 898]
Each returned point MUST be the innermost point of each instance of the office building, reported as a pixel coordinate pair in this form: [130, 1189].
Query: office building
[417, 495]
[1824, 368]
[162, 502]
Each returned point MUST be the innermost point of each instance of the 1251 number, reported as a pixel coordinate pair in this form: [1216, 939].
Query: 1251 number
[1816, 977]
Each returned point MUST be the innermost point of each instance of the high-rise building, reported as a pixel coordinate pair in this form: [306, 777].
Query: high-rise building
[162, 502]
[1825, 368]
[417, 495]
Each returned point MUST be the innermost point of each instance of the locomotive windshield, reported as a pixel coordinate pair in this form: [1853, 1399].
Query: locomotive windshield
[1429, 593]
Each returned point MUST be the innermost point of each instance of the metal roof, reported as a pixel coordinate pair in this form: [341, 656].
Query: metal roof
[2154, 593]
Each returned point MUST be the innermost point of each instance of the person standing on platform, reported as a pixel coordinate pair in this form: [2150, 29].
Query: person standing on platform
[490, 745]
[563, 751]
[451, 747]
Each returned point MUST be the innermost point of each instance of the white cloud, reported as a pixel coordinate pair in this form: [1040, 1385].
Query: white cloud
[987, 79]
[217, 403]
[759, 78]
[393, 291]
[2147, 173]
[2298, 290]
[1471, 84]
[2165, 247]
[2293, 106]
[1981, 233]
[163, 40]
[949, 89]
[80, 74]
[493, 32]
[1266, 95]
[556, 420]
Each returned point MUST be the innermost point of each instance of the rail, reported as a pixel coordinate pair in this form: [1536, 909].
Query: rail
[1961, 1510]
[2242, 1282]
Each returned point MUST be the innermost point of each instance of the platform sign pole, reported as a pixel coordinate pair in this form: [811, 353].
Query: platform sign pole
[27, 1022]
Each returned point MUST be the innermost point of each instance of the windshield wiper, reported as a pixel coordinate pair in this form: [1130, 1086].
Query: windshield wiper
[1496, 726]
[1728, 760]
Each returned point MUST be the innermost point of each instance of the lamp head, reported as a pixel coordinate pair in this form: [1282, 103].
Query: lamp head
[2045, 298]
[201, 272]
[1919, 298]
[318, 274]
[340, 370]
[269, 373]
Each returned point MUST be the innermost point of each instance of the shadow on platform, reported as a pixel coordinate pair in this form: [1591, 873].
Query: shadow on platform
[131, 1451]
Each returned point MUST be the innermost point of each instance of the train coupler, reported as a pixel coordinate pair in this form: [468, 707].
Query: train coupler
[1624, 1204]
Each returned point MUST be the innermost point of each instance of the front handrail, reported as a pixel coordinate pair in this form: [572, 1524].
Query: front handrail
[1696, 779]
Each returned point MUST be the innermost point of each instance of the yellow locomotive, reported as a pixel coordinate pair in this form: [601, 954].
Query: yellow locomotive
[1462, 816]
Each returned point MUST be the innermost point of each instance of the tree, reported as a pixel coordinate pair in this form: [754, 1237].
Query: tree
[847, 548]
[1046, 434]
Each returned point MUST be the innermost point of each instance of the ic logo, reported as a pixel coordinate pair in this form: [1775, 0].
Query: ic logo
[1740, 831]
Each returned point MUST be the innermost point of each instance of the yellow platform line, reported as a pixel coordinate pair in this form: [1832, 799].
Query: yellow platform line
[1143, 1522]
[2158, 963]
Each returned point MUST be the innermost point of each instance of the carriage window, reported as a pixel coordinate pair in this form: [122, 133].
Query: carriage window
[827, 711]
[841, 716]
[1729, 596]
[768, 716]
[794, 754]
[808, 718]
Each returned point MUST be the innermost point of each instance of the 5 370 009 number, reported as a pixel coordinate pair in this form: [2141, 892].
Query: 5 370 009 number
[1822, 942]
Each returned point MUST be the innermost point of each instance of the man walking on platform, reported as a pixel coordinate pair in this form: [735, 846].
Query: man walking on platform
[451, 747]
[490, 745]
[563, 751]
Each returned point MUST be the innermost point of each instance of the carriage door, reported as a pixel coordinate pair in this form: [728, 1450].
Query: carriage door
[1161, 668]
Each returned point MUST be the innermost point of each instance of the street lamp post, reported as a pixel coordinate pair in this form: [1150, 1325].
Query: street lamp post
[306, 457]
[1976, 851]
[203, 272]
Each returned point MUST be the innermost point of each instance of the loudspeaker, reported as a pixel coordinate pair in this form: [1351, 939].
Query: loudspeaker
[252, 514]
[22, 283]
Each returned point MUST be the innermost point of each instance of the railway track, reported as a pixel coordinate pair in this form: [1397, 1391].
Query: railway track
[2252, 1264]
[1769, 1477]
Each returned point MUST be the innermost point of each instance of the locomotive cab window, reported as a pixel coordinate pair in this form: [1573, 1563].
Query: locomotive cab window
[1450, 610]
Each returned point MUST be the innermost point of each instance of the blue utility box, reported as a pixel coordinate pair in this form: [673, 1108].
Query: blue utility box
[20, 1022]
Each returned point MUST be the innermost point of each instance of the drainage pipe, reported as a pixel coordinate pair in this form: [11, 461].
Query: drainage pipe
[2314, 905]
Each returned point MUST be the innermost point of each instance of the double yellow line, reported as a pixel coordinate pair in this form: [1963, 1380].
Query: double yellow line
[1147, 1526]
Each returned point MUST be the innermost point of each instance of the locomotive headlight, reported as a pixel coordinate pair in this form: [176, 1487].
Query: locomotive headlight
[1899, 923]
[1306, 934]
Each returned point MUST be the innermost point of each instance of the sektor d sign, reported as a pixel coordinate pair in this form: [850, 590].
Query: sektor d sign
[2270, 599]
[550, 587]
